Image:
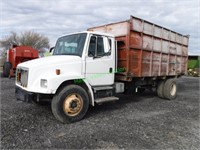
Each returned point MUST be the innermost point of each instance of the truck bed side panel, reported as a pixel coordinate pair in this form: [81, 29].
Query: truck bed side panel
[148, 50]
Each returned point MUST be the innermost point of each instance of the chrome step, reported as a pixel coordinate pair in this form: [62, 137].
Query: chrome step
[106, 99]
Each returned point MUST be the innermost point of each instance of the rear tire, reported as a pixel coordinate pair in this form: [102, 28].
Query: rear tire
[160, 89]
[70, 104]
[170, 89]
[6, 69]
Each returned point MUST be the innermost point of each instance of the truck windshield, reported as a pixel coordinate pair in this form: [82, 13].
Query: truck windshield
[70, 45]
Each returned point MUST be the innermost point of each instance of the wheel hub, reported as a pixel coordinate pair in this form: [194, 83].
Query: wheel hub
[73, 104]
[173, 89]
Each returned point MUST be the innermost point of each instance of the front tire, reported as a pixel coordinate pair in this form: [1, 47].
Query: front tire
[70, 104]
[6, 69]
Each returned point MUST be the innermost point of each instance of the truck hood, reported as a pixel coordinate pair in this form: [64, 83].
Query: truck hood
[51, 60]
[45, 68]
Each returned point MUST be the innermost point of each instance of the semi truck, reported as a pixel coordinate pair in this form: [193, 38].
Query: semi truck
[93, 66]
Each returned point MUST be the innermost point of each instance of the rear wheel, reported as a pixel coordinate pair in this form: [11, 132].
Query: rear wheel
[70, 104]
[170, 89]
[160, 89]
[6, 69]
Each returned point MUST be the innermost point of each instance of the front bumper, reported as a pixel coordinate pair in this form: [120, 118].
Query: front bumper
[23, 95]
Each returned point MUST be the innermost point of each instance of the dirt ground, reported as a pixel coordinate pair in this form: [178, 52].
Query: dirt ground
[134, 122]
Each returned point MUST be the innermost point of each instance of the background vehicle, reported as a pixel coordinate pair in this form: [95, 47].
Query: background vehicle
[16, 55]
[91, 67]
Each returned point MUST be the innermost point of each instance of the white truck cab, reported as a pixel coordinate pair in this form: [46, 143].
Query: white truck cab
[80, 72]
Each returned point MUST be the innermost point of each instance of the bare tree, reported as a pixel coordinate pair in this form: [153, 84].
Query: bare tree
[27, 38]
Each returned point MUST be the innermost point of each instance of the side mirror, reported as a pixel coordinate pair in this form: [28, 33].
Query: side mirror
[51, 49]
[108, 45]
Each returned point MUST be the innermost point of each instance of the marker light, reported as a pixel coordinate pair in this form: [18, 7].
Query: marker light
[58, 71]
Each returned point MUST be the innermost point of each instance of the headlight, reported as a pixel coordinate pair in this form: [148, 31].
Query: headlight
[43, 83]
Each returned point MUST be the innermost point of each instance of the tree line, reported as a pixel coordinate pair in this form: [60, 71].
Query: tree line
[26, 38]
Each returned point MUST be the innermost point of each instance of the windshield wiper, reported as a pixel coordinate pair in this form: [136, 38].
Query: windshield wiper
[75, 54]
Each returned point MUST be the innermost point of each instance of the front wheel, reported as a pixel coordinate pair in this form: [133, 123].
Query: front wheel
[70, 104]
[6, 69]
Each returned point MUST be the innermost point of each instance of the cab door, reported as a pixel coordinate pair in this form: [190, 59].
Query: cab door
[100, 61]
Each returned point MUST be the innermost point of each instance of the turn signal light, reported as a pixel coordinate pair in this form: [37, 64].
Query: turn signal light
[58, 71]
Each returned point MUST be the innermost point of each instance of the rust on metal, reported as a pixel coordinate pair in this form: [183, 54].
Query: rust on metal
[73, 104]
[146, 49]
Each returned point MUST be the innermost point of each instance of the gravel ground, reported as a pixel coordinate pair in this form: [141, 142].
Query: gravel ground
[135, 122]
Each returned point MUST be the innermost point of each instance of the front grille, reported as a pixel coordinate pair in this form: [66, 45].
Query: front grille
[22, 77]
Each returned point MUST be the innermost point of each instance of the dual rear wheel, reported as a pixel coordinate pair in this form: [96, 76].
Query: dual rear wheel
[167, 89]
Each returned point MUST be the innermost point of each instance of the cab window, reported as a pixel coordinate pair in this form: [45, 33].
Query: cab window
[97, 46]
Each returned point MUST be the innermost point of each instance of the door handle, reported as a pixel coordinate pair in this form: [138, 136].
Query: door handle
[110, 70]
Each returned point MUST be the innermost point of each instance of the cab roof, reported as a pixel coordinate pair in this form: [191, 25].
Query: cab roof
[91, 32]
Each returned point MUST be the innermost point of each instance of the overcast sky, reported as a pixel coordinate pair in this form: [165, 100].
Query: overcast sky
[54, 18]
